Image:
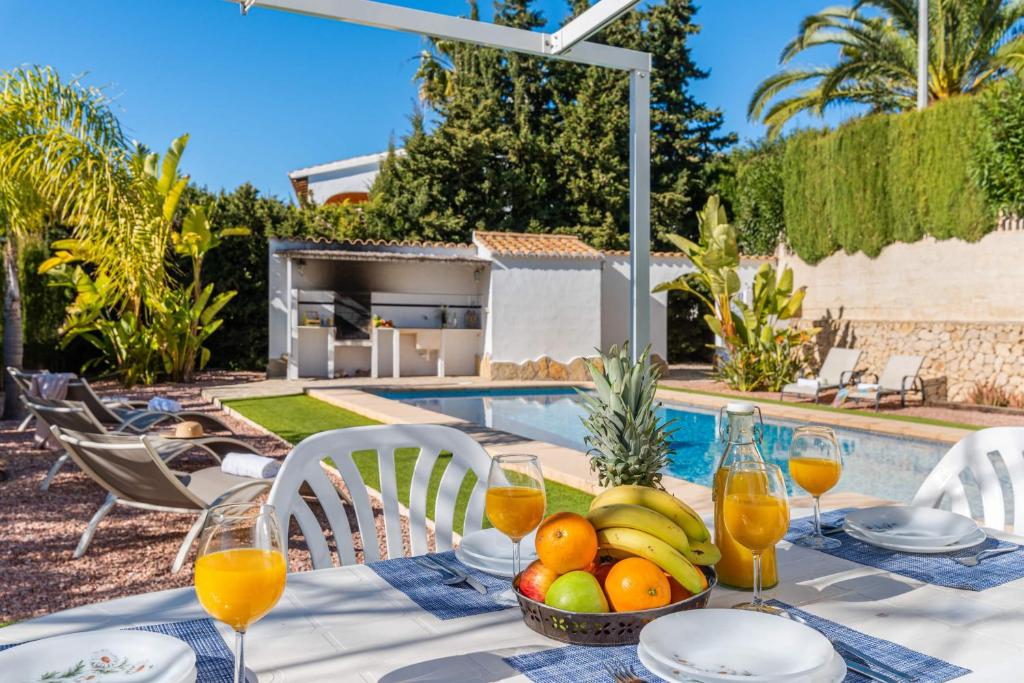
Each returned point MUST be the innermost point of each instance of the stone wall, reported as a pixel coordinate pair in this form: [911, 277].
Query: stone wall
[958, 355]
[545, 368]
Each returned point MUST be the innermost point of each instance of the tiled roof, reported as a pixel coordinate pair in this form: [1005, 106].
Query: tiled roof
[379, 243]
[529, 244]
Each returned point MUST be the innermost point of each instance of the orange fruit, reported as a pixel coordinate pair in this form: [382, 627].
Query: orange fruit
[635, 584]
[566, 542]
[677, 592]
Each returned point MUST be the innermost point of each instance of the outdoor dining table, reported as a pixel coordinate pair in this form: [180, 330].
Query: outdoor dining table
[349, 624]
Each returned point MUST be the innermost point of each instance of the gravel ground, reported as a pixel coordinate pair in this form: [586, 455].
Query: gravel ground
[132, 550]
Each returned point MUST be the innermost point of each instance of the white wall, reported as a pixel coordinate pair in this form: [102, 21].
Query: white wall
[615, 297]
[929, 280]
[543, 307]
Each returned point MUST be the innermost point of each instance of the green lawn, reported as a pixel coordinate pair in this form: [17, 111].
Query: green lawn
[293, 418]
[829, 409]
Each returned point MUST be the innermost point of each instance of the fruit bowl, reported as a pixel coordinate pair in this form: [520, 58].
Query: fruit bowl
[605, 628]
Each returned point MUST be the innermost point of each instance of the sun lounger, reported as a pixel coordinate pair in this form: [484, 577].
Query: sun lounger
[134, 474]
[75, 416]
[900, 376]
[837, 371]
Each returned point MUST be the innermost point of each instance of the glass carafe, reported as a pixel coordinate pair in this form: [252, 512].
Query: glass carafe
[736, 568]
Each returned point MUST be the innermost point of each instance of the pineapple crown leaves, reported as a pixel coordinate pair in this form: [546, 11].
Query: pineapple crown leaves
[627, 442]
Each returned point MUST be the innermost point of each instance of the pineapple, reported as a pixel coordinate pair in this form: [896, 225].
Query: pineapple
[627, 442]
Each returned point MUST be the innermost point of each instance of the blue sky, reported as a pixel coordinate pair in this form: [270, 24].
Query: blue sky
[270, 92]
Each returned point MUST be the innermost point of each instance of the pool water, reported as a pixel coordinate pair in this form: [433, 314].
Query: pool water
[881, 465]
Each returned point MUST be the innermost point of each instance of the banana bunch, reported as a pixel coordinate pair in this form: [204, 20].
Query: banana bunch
[655, 525]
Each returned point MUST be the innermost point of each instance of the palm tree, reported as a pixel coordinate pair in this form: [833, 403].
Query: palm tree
[972, 44]
[61, 160]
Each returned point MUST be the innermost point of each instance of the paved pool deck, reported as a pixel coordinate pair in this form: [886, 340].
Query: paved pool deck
[564, 465]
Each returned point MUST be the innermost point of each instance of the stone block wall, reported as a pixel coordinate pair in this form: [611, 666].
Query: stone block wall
[545, 368]
[958, 355]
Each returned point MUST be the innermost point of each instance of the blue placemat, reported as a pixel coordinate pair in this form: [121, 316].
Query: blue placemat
[214, 661]
[925, 668]
[939, 569]
[583, 664]
[444, 602]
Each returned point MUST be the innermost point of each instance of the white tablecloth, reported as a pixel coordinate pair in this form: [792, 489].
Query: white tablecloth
[348, 624]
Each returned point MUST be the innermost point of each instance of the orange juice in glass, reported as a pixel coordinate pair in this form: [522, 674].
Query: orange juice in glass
[515, 498]
[815, 464]
[239, 586]
[514, 510]
[240, 569]
[755, 510]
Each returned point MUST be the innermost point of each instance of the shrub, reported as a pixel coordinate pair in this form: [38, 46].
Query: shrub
[999, 156]
[883, 179]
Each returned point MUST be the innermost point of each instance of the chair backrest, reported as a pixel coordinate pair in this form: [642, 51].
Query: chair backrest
[837, 363]
[897, 368]
[71, 415]
[303, 466]
[23, 378]
[80, 390]
[128, 467]
[974, 454]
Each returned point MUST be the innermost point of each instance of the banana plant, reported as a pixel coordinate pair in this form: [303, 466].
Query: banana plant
[761, 347]
[195, 239]
[717, 259]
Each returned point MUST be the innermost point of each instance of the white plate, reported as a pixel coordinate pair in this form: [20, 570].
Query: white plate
[835, 672]
[112, 656]
[492, 545]
[977, 537]
[736, 645]
[908, 525]
[502, 568]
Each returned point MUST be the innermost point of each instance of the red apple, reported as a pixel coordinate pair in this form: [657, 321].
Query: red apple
[600, 571]
[535, 581]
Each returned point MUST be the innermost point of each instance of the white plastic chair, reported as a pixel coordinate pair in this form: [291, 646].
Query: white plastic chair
[303, 466]
[972, 453]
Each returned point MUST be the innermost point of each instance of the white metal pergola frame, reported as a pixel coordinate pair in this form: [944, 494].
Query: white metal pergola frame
[569, 44]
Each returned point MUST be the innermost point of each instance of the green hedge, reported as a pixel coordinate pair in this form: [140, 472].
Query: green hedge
[884, 179]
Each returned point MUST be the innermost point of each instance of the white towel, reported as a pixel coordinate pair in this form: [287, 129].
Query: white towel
[809, 382]
[867, 387]
[164, 405]
[250, 465]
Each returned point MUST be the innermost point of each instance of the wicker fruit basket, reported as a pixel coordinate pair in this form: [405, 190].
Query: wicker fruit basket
[609, 628]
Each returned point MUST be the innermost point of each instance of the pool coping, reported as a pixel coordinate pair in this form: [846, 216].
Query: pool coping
[912, 430]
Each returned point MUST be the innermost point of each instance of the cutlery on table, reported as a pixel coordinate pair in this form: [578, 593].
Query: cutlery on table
[621, 673]
[865, 670]
[973, 560]
[859, 661]
[456, 575]
[879, 671]
[446, 577]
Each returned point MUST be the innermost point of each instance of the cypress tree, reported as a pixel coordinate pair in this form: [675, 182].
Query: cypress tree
[525, 143]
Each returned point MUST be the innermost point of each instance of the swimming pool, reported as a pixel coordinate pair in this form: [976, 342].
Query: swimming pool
[881, 465]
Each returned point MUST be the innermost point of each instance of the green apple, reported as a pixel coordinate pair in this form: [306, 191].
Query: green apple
[577, 591]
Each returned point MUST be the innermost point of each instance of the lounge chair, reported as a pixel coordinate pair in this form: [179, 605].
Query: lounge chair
[900, 376]
[75, 416]
[134, 474]
[133, 416]
[837, 371]
[23, 379]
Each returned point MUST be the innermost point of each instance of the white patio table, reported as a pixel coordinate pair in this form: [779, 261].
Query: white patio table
[348, 624]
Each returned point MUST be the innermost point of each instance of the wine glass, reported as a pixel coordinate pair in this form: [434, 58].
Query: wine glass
[815, 463]
[756, 513]
[240, 568]
[515, 498]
